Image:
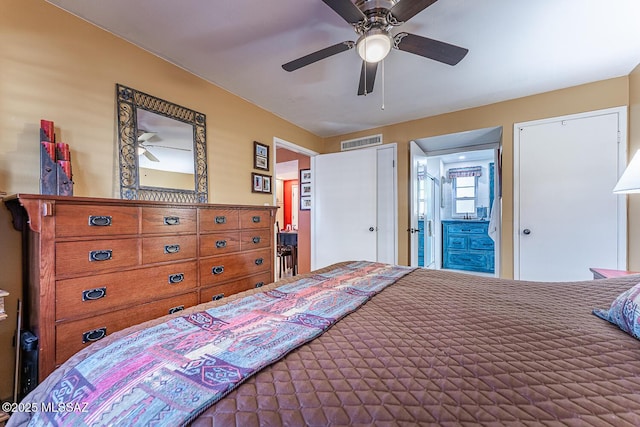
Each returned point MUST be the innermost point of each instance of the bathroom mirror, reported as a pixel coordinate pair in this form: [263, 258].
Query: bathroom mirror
[162, 149]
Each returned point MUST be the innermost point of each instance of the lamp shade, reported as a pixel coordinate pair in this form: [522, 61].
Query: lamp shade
[629, 182]
[374, 46]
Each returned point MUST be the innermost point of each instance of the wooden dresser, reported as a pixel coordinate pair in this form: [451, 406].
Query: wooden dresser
[96, 266]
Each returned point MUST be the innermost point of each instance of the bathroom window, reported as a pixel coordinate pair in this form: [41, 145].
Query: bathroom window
[465, 189]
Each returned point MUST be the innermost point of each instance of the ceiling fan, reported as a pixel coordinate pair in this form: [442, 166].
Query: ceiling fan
[144, 145]
[373, 21]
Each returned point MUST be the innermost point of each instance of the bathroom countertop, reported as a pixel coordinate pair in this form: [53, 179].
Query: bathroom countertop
[464, 220]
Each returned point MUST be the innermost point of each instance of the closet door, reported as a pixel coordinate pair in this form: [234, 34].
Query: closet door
[566, 217]
[344, 217]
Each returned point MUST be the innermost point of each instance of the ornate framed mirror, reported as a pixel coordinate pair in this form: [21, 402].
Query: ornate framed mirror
[162, 149]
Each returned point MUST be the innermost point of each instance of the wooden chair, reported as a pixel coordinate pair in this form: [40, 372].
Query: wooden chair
[284, 254]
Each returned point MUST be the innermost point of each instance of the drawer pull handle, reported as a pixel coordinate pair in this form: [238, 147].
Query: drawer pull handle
[102, 255]
[221, 219]
[255, 219]
[95, 335]
[217, 297]
[256, 240]
[259, 261]
[217, 269]
[171, 220]
[176, 278]
[221, 244]
[171, 249]
[99, 221]
[259, 284]
[176, 309]
[94, 294]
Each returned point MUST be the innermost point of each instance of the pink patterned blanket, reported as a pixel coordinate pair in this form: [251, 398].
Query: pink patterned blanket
[170, 373]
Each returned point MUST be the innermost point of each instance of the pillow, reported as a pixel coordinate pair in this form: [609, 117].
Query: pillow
[624, 311]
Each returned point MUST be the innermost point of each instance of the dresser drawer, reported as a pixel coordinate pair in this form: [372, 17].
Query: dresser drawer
[218, 219]
[84, 296]
[168, 220]
[227, 267]
[219, 243]
[72, 337]
[466, 228]
[255, 218]
[255, 239]
[168, 248]
[481, 243]
[456, 242]
[217, 292]
[95, 220]
[92, 256]
[472, 261]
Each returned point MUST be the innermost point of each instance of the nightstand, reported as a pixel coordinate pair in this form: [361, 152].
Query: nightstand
[605, 273]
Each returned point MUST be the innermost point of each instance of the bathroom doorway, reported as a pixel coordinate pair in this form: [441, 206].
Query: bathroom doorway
[455, 202]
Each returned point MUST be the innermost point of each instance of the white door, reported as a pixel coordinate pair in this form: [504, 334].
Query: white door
[347, 221]
[386, 205]
[566, 218]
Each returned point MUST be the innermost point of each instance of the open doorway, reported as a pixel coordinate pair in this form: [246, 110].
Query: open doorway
[290, 159]
[455, 201]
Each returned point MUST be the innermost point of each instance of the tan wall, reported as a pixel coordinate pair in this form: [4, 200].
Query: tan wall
[634, 146]
[57, 67]
[589, 97]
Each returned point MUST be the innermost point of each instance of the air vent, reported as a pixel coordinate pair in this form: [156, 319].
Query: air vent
[367, 141]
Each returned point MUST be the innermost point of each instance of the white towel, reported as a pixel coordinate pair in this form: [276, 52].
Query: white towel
[493, 221]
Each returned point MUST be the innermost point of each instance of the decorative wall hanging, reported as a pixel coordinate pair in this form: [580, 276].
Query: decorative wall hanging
[260, 156]
[306, 187]
[260, 183]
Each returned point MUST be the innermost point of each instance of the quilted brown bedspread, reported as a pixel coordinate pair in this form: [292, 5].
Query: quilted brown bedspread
[441, 348]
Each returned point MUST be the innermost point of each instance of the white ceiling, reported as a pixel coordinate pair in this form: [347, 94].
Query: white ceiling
[516, 48]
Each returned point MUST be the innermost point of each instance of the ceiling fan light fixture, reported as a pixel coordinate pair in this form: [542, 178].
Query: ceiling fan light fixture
[141, 150]
[374, 46]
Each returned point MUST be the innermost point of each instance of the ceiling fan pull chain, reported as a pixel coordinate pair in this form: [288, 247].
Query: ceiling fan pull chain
[382, 62]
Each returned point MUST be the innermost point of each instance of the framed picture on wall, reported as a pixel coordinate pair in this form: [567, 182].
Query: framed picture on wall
[260, 156]
[260, 183]
[305, 176]
[266, 184]
[305, 203]
[256, 180]
[305, 189]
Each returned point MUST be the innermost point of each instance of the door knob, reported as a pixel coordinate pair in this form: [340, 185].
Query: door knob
[371, 229]
[526, 231]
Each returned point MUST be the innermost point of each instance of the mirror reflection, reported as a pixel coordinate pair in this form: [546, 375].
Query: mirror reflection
[162, 149]
[165, 152]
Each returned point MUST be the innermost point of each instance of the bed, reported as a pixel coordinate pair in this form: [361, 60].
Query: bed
[434, 348]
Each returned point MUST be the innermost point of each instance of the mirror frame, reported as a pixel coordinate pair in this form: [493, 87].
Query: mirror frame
[128, 101]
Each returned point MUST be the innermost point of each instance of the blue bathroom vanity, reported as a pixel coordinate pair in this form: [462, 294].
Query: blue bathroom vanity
[466, 245]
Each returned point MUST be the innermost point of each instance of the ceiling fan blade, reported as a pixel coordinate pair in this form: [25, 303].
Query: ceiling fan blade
[367, 77]
[429, 48]
[317, 56]
[167, 147]
[150, 156]
[145, 136]
[407, 9]
[346, 9]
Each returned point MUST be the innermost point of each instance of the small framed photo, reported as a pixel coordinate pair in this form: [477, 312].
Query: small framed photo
[305, 176]
[260, 156]
[256, 180]
[260, 183]
[305, 189]
[266, 184]
[305, 203]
